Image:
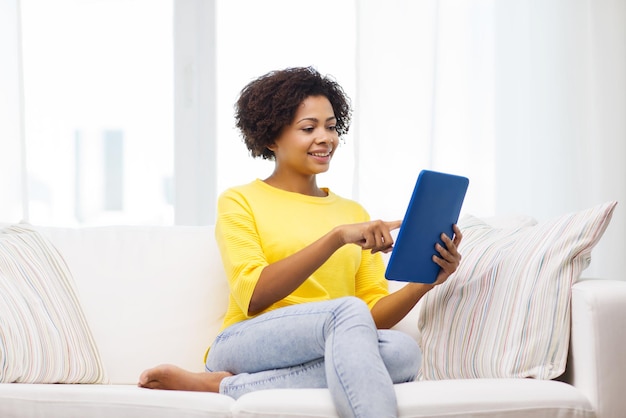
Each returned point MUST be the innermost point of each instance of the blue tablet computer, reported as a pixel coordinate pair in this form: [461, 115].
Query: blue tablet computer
[434, 207]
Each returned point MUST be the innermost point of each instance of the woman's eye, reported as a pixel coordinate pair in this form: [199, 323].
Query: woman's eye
[332, 128]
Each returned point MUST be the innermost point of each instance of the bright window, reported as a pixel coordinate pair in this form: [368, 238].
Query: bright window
[98, 87]
[104, 98]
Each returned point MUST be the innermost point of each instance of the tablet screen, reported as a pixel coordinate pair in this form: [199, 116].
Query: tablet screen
[434, 207]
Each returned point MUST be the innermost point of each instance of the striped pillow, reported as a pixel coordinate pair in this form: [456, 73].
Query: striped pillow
[506, 311]
[44, 337]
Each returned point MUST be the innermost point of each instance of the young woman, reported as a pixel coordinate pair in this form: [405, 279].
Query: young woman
[309, 305]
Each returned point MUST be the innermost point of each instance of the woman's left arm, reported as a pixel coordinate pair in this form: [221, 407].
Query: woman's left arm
[390, 309]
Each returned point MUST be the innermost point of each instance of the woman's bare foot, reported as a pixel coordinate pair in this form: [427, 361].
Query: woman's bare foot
[171, 377]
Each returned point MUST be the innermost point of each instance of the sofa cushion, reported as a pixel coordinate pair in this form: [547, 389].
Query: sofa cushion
[506, 310]
[481, 398]
[106, 401]
[44, 337]
[407, 324]
[151, 294]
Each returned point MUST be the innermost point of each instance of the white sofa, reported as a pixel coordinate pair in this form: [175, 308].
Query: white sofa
[156, 295]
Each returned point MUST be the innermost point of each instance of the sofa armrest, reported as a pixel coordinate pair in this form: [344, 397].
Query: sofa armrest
[597, 364]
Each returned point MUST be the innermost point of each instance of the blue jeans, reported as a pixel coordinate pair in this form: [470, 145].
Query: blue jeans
[333, 344]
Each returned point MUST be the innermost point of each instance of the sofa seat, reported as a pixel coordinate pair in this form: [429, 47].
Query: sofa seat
[483, 398]
[480, 398]
[100, 401]
[156, 295]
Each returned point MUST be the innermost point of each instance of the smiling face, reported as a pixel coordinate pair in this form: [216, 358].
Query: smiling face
[305, 147]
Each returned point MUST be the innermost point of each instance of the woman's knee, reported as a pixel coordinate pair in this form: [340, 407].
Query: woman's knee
[348, 312]
[354, 307]
[352, 302]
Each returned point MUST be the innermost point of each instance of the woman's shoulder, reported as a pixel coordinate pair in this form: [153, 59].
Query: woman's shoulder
[242, 189]
[236, 198]
[250, 196]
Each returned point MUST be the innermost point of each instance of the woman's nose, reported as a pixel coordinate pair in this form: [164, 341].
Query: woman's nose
[325, 137]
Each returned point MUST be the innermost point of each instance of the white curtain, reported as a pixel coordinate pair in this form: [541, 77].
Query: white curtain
[561, 113]
[526, 98]
[425, 99]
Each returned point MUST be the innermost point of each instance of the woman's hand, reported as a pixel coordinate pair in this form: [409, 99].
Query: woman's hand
[389, 310]
[450, 258]
[372, 235]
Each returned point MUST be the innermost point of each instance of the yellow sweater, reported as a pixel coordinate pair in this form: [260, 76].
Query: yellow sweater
[258, 224]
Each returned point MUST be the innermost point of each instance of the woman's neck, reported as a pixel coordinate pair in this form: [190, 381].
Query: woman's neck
[306, 186]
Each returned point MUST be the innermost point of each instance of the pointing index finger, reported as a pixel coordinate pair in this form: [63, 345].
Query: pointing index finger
[393, 225]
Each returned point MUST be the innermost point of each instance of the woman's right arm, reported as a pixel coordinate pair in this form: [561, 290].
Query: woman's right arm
[279, 279]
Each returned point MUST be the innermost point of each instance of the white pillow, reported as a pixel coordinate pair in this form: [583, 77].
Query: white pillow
[44, 337]
[510, 221]
[505, 312]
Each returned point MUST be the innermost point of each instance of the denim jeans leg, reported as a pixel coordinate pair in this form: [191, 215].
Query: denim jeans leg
[355, 372]
[401, 355]
[288, 348]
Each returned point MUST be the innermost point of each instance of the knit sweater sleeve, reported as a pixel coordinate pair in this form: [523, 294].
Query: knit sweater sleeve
[241, 251]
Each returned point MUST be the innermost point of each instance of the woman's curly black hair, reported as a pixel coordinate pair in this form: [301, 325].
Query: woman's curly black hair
[269, 103]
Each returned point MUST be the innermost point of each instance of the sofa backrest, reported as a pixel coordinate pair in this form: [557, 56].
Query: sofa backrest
[157, 294]
[151, 295]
